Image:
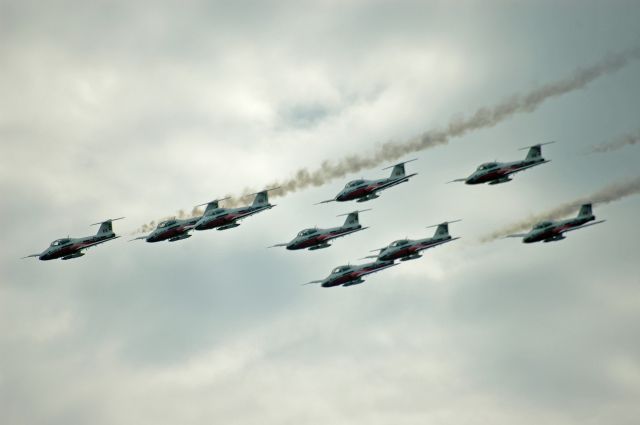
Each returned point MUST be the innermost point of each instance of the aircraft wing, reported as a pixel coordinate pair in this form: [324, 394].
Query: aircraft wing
[584, 225]
[367, 272]
[325, 202]
[252, 212]
[437, 243]
[395, 182]
[528, 166]
[348, 232]
[89, 245]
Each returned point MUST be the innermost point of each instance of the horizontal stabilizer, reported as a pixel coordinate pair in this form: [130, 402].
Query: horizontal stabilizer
[107, 221]
[536, 145]
[353, 212]
[444, 222]
[400, 163]
[215, 200]
[265, 190]
[213, 205]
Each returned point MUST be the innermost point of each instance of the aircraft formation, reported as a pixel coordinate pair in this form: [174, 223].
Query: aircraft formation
[360, 190]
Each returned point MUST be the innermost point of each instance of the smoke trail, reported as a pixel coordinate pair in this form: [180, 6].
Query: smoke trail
[617, 143]
[484, 117]
[607, 194]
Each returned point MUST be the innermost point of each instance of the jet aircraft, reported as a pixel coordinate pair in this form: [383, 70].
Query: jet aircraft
[408, 249]
[68, 248]
[364, 190]
[352, 275]
[227, 218]
[173, 229]
[500, 172]
[552, 231]
[315, 238]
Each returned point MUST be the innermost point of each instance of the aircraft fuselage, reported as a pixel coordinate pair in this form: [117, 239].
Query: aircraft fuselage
[554, 232]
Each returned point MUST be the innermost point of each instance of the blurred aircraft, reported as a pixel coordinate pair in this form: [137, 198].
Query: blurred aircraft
[172, 230]
[227, 218]
[408, 249]
[68, 248]
[365, 190]
[315, 238]
[499, 172]
[552, 231]
[352, 275]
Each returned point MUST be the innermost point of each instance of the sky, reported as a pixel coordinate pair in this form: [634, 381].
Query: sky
[142, 109]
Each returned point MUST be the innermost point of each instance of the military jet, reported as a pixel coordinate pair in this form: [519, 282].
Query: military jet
[352, 275]
[407, 249]
[68, 248]
[365, 190]
[500, 172]
[174, 229]
[227, 218]
[315, 238]
[552, 231]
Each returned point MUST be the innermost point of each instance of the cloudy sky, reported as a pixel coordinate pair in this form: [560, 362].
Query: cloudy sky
[141, 109]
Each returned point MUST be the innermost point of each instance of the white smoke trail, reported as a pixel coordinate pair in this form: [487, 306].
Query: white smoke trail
[484, 117]
[607, 194]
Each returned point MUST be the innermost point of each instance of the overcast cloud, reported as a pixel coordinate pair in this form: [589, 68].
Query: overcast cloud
[142, 109]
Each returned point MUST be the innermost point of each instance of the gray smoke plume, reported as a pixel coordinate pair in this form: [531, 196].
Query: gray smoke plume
[484, 117]
[607, 194]
[617, 143]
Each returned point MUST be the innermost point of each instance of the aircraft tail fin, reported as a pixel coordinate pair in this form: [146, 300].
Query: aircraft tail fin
[442, 229]
[586, 210]
[262, 197]
[106, 227]
[535, 151]
[398, 169]
[212, 205]
[352, 218]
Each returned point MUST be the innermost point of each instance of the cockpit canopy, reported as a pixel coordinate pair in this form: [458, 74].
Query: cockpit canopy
[307, 232]
[60, 242]
[340, 269]
[167, 223]
[354, 183]
[401, 242]
[487, 166]
[543, 224]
